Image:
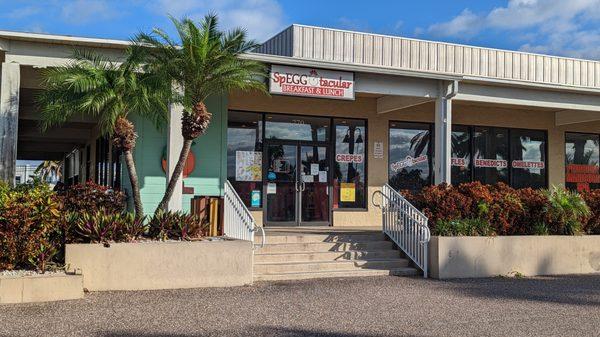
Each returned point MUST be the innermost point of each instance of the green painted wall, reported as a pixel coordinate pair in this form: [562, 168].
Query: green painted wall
[210, 151]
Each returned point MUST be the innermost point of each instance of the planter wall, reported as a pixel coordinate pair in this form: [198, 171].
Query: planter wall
[162, 265]
[462, 257]
[40, 288]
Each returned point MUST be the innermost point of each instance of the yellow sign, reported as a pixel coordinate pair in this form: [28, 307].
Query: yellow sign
[347, 192]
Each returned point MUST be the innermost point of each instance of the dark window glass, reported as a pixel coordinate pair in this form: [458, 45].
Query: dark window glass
[409, 155]
[116, 168]
[461, 155]
[88, 162]
[582, 155]
[528, 158]
[304, 128]
[102, 161]
[350, 161]
[244, 156]
[490, 157]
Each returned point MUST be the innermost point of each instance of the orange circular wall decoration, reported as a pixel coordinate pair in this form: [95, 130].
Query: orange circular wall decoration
[190, 163]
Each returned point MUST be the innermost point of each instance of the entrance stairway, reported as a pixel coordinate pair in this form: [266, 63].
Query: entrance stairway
[304, 253]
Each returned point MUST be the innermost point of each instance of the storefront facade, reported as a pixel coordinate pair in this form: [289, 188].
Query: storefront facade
[349, 112]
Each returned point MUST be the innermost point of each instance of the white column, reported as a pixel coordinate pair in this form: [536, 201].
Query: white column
[174, 145]
[9, 120]
[443, 133]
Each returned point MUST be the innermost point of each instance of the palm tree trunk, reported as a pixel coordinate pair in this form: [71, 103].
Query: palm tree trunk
[135, 186]
[174, 180]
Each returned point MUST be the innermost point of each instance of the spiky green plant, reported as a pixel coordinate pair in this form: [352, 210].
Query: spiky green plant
[204, 62]
[566, 211]
[94, 85]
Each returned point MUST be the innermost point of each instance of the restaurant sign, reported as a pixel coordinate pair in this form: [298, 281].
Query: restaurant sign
[311, 82]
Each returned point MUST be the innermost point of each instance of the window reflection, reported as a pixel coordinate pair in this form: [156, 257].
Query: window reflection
[297, 128]
[528, 158]
[461, 155]
[244, 148]
[409, 156]
[349, 162]
[582, 157]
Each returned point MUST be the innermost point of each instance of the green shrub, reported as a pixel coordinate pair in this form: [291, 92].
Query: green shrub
[464, 227]
[533, 219]
[29, 226]
[592, 199]
[566, 211]
[176, 226]
[91, 197]
[104, 226]
[540, 228]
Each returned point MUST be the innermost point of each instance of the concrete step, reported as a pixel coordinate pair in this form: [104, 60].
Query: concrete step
[406, 271]
[324, 247]
[309, 238]
[260, 257]
[308, 266]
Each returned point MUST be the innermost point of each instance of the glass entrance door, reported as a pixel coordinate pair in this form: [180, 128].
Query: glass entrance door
[297, 188]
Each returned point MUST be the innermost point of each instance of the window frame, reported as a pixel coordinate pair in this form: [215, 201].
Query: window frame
[472, 148]
[262, 143]
[564, 149]
[331, 145]
[430, 150]
[332, 163]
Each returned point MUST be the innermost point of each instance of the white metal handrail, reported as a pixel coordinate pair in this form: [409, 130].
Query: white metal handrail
[404, 224]
[238, 221]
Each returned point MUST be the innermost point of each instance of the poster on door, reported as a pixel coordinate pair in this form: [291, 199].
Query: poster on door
[248, 166]
[347, 192]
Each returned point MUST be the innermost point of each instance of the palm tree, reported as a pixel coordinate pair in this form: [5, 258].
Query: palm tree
[205, 63]
[49, 169]
[93, 85]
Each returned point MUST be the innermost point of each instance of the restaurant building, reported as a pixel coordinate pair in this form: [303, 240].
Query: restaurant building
[347, 113]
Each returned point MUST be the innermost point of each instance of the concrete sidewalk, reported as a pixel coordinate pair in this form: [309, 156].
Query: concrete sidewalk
[371, 306]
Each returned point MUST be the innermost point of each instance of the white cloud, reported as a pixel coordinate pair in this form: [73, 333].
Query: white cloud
[23, 12]
[465, 25]
[565, 27]
[262, 18]
[84, 11]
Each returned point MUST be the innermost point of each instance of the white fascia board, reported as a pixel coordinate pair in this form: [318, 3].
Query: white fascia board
[65, 39]
[559, 100]
[333, 65]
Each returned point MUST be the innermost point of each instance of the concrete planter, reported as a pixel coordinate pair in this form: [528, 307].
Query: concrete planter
[161, 265]
[40, 288]
[462, 257]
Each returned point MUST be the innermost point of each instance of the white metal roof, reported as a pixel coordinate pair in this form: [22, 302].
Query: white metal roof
[64, 39]
[469, 62]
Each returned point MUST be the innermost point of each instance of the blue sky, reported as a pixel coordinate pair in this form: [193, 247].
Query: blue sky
[562, 27]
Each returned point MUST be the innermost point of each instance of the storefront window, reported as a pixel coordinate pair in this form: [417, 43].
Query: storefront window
[312, 129]
[528, 158]
[461, 155]
[349, 163]
[409, 155]
[490, 155]
[581, 159]
[244, 156]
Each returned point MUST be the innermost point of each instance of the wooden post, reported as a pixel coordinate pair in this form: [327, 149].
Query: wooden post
[9, 120]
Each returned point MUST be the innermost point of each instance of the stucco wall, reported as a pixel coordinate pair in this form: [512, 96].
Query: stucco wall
[465, 257]
[365, 107]
[161, 265]
[40, 288]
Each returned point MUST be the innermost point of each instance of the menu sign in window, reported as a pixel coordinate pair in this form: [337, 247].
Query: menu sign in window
[311, 82]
